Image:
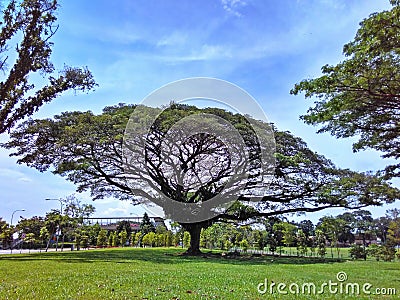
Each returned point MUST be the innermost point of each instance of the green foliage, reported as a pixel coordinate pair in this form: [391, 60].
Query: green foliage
[388, 253]
[228, 245]
[260, 238]
[44, 234]
[273, 243]
[374, 251]
[114, 239]
[186, 239]
[320, 241]
[384, 252]
[146, 226]
[123, 235]
[138, 239]
[359, 97]
[358, 252]
[168, 239]
[124, 225]
[301, 242]
[393, 233]
[149, 239]
[244, 245]
[332, 228]
[86, 149]
[102, 238]
[32, 23]
[289, 233]
[84, 241]
[31, 227]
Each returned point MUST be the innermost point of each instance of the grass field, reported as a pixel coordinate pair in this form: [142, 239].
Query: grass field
[160, 273]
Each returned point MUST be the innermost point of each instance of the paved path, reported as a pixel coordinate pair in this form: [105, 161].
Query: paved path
[25, 251]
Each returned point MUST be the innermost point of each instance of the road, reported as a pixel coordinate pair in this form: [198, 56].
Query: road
[26, 251]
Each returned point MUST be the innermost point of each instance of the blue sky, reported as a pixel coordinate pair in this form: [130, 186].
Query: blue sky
[134, 47]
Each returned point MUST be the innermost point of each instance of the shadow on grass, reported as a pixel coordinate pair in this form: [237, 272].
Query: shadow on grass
[159, 255]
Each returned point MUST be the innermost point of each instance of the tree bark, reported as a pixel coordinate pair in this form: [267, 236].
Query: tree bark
[194, 230]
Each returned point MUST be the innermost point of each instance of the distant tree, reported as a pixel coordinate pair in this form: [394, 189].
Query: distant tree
[272, 243]
[84, 240]
[347, 233]
[53, 221]
[307, 227]
[278, 230]
[110, 238]
[228, 245]
[93, 233]
[75, 209]
[26, 30]
[301, 242]
[393, 235]
[363, 224]
[384, 252]
[186, 239]
[359, 97]
[123, 235]
[73, 217]
[32, 225]
[114, 239]
[30, 239]
[124, 225]
[332, 227]
[262, 239]
[146, 225]
[375, 251]
[149, 239]
[289, 234]
[381, 227]
[203, 238]
[138, 239]
[320, 241]
[6, 232]
[102, 238]
[177, 238]
[388, 252]
[244, 245]
[168, 238]
[77, 238]
[358, 252]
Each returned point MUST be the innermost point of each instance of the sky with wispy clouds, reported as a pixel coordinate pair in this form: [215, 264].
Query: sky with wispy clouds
[134, 47]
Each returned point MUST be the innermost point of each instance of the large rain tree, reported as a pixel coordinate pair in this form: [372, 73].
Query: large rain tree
[360, 96]
[87, 150]
[26, 30]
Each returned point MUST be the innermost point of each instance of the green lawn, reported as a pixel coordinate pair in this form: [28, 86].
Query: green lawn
[131, 273]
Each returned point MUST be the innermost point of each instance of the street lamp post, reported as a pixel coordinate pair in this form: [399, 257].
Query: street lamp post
[61, 204]
[12, 216]
[61, 208]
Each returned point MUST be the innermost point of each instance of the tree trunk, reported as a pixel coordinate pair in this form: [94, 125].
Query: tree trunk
[48, 243]
[194, 230]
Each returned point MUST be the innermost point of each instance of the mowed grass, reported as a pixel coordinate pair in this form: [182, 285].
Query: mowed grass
[161, 273]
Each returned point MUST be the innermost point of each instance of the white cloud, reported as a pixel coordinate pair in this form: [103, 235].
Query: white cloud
[205, 53]
[25, 179]
[14, 175]
[177, 38]
[116, 208]
[233, 6]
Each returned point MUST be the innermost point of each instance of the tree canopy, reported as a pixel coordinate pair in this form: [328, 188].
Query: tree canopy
[360, 96]
[32, 22]
[87, 150]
